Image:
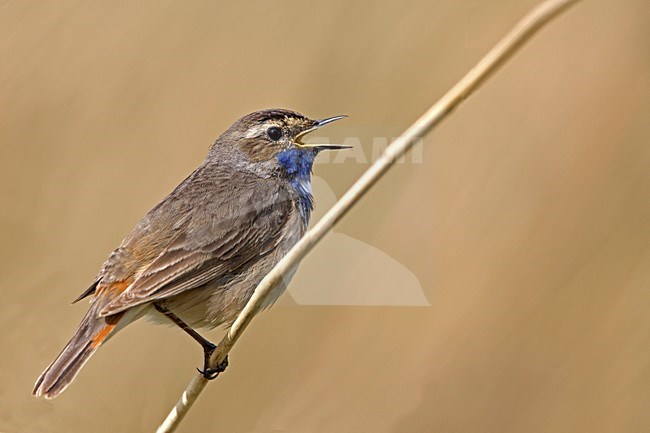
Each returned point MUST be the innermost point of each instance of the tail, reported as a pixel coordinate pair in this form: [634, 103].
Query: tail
[92, 332]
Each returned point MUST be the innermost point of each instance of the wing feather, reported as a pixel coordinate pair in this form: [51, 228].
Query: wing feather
[218, 240]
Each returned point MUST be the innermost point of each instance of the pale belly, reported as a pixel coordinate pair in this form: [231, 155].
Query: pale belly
[220, 302]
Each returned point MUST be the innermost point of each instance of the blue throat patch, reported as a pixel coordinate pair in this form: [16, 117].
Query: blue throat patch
[297, 163]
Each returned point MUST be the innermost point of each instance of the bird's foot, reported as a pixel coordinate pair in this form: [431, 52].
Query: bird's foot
[209, 372]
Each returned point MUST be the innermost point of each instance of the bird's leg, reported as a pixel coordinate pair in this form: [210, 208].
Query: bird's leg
[208, 347]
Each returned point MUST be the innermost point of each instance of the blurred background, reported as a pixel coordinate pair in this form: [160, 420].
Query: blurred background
[525, 224]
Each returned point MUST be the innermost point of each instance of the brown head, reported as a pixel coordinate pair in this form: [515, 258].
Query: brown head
[260, 136]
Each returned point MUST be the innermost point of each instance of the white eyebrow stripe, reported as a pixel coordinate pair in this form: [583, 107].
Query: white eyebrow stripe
[258, 130]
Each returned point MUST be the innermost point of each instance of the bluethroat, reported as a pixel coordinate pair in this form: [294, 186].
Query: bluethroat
[196, 257]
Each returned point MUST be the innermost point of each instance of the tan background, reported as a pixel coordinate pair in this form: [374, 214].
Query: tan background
[526, 224]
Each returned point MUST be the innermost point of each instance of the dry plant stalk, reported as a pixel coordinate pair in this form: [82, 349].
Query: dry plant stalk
[501, 52]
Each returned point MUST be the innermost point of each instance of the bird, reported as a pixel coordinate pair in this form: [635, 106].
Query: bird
[195, 258]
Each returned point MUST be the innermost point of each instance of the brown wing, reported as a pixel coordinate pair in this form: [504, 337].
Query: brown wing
[221, 236]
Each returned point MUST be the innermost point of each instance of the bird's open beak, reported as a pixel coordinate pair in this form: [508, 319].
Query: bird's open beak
[298, 142]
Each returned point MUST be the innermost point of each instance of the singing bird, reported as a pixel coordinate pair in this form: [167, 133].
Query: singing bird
[196, 257]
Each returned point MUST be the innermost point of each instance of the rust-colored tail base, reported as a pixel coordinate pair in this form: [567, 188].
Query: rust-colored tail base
[92, 332]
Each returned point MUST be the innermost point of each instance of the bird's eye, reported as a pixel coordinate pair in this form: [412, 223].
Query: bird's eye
[274, 133]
